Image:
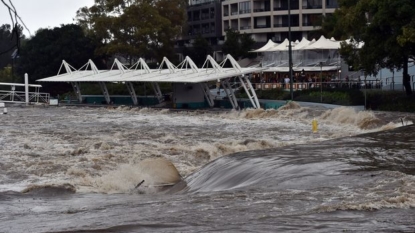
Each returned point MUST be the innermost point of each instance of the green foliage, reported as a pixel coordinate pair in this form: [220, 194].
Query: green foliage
[6, 75]
[134, 28]
[385, 27]
[10, 39]
[238, 45]
[199, 51]
[390, 101]
[376, 99]
[42, 55]
[331, 96]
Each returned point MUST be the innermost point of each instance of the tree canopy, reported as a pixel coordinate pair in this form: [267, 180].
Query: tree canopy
[386, 27]
[199, 51]
[134, 28]
[238, 45]
[42, 55]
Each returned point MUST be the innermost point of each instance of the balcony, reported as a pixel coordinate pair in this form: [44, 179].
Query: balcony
[313, 7]
[281, 8]
[244, 12]
[261, 26]
[245, 27]
[262, 9]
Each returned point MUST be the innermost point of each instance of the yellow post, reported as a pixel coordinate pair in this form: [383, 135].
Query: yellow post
[314, 125]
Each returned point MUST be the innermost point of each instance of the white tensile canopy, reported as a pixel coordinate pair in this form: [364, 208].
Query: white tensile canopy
[185, 73]
[269, 45]
[324, 43]
[281, 47]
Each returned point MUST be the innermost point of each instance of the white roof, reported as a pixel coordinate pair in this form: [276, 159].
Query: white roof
[186, 72]
[270, 44]
[303, 43]
[305, 68]
[281, 47]
[324, 43]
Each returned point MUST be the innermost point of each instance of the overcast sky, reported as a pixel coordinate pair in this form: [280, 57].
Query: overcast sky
[43, 13]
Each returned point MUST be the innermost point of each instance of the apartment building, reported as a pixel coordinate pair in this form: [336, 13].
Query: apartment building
[262, 19]
[204, 18]
[268, 19]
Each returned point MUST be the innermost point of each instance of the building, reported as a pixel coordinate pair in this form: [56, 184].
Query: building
[204, 18]
[268, 19]
[262, 19]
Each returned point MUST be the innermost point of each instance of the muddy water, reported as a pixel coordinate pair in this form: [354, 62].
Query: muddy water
[71, 169]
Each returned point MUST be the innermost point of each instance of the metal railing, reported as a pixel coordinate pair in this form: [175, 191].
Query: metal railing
[369, 84]
[19, 97]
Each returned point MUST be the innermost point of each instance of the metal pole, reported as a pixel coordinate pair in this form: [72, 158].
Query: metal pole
[321, 82]
[290, 62]
[365, 92]
[26, 88]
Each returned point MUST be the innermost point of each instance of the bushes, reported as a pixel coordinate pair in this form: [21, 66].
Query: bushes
[390, 101]
[375, 99]
[330, 96]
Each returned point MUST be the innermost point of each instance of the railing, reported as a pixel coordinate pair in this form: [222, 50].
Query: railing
[370, 84]
[312, 6]
[19, 96]
[281, 8]
[245, 27]
[262, 26]
[262, 9]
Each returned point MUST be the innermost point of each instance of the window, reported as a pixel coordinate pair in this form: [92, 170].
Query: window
[244, 7]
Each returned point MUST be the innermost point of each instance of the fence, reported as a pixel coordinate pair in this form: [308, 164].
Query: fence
[9, 93]
[19, 97]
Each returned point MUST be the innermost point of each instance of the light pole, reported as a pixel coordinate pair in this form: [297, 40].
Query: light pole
[321, 82]
[290, 59]
[365, 92]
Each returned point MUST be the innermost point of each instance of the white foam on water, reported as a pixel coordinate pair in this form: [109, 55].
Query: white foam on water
[396, 191]
[80, 145]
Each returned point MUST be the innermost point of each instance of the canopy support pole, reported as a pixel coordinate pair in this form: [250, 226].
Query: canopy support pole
[131, 90]
[77, 90]
[105, 92]
[158, 92]
[250, 91]
[208, 96]
[229, 92]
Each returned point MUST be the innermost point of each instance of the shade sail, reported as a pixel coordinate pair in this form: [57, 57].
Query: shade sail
[187, 73]
[323, 43]
[269, 45]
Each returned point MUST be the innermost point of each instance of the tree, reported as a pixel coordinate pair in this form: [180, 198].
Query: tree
[238, 45]
[386, 29]
[199, 51]
[42, 55]
[10, 39]
[134, 28]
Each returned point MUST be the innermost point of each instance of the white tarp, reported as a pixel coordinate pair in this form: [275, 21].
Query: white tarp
[281, 47]
[303, 43]
[324, 43]
[270, 44]
[191, 74]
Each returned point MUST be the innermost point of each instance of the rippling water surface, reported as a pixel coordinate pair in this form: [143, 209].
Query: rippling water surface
[71, 169]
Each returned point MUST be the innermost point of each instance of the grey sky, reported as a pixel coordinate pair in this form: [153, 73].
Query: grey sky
[43, 13]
